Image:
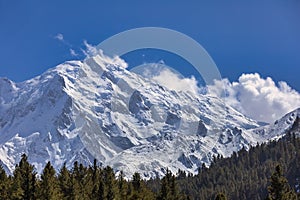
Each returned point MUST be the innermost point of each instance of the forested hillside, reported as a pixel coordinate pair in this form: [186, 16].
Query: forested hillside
[246, 174]
[268, 170]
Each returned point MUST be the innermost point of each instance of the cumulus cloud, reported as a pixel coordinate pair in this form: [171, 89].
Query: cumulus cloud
[259, 98]
[173, 81]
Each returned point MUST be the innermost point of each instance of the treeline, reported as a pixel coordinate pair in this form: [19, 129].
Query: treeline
[247, 174]
[267, 171]
[80, 182]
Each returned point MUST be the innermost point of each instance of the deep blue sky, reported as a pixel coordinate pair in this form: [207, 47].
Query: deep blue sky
[241, 36]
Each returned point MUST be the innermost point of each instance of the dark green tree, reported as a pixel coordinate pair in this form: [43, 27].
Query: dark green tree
[136, 186]
[81, 181]
[221, 196]
[49, 188]
[109, 182]
[169, 189]
[101, 189]
[97, 182]
[75, 189]
[136, 181]
[138, 189]
[279, 188]
[24, 181]
[122, 186]
[64, 181]
[4, 184]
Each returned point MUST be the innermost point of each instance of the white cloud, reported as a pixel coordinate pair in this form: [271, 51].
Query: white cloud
[73, 53]
[173, 81]
[256, 97]
[59, 37]
[91, 51]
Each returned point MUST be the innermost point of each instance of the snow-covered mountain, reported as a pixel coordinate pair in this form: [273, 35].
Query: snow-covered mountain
[96, 108]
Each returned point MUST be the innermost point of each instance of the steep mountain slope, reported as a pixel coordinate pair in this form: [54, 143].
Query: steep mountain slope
[280, 127]
[98, 109]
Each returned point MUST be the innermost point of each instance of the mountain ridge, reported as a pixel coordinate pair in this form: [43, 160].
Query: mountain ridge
[96, 108]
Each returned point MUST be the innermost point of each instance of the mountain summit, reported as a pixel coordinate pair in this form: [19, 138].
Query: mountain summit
[96, 108]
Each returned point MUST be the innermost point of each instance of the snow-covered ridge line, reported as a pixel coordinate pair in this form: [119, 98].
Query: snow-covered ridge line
[99, 109]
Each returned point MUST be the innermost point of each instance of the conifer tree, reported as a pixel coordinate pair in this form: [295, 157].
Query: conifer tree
[164, 189]
[4, 183]
[16, 191]
[136, 189]
[101, 189]
[95, 181]
[122, 186]
[279, 188]
[49, 188]
[75, 189]
[64, 181]
[174, 188]
[24, 180]
[109, 182]
[221, 196]
[169, 190]
[136, 181]
[82, 181]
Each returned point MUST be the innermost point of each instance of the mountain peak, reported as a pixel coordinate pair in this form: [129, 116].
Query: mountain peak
[96, 108]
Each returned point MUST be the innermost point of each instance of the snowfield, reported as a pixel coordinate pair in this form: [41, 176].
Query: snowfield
[96, 108]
